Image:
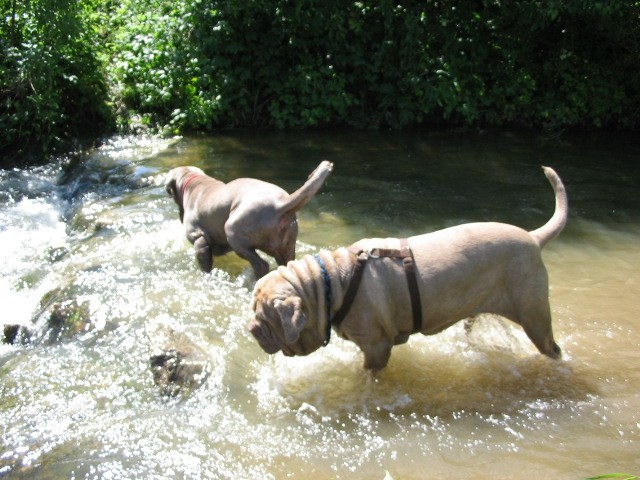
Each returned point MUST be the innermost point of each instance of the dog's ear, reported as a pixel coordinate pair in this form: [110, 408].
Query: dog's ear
[171, 188]
[292, 318]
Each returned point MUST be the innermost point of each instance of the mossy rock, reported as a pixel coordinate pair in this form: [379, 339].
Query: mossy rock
[62, 316]
[178, 365]
[69, 317]
[14, 334]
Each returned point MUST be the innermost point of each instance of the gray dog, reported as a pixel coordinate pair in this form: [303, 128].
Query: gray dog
[421, 284]
[243, 215]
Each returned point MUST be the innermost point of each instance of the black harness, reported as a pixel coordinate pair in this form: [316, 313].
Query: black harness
[362, 256]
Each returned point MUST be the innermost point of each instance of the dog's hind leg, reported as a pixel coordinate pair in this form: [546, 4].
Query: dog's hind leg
[244, 234]
[260, 267]
[535, 319]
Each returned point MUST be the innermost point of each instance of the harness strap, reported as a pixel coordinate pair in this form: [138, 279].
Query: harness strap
[408, 262]
[352, 289]
[410, 272]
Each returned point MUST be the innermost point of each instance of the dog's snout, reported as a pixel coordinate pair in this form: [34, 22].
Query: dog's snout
[265, 340]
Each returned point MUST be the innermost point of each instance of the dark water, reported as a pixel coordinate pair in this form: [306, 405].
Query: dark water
[83, 404]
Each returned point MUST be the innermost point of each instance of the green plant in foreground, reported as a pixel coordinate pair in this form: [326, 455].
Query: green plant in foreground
[624, 476]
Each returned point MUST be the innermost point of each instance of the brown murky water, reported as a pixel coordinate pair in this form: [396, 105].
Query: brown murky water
[456, 405]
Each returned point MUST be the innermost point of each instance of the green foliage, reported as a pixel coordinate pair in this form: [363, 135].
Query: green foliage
[175, 65]
[313, 63]
[622, 476]
[51, 89]
[153, 68]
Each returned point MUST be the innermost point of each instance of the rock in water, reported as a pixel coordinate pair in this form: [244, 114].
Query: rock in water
[179, 366]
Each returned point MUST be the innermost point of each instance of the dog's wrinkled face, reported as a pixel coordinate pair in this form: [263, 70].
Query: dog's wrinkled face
[280, 321]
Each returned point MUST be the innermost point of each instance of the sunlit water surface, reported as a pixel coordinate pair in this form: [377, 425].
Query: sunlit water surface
[479, 405]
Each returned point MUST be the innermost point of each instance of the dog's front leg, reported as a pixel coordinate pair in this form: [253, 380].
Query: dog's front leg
[376, 354]
[203, 254]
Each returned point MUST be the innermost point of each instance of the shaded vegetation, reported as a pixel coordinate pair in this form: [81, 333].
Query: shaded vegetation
[206, 64]
[52, 89]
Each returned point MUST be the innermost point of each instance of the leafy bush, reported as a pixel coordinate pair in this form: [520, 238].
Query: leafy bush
[548, 63]
[155, 74]
[51, 88]
[175, 65]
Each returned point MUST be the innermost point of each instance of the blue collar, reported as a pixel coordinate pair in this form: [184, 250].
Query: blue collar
[327, 296]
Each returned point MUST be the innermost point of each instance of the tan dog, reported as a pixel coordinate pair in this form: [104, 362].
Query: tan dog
[460, 272]
[243, 215]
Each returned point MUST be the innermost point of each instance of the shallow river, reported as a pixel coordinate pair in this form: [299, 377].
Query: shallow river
[104, 235]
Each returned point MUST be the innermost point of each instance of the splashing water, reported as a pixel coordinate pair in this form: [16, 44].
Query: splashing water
[101, 232]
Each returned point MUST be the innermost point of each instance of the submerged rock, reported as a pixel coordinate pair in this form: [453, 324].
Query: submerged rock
[178, 365]
[69, 317]
[60, 315]
[15, 334]
[54, 321]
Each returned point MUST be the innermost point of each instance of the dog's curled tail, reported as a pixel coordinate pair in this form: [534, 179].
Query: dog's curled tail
[556, 223]
[301, 196]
